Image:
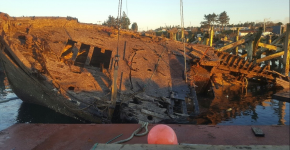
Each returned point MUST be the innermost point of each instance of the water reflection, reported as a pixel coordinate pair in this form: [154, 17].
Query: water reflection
[232, 106]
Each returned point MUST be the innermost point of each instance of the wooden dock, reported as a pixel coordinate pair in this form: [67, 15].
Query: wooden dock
[282, 96]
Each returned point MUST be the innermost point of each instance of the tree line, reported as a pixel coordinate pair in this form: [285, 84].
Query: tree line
[124, 22]
[223, 19]
[215, 19]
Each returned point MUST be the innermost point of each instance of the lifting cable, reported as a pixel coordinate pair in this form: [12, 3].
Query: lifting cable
[183, 37]
[117, 57]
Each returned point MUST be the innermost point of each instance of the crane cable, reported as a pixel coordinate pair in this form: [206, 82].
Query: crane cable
[116, 63]
[183, 37]
[119, 26]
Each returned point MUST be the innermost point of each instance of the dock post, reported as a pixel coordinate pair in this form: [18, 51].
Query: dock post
[286, 57]
[207, 41]
[270, 39]
[211, 36]
[237, 38]
[257, 41]
[174, 36]
[250, 50]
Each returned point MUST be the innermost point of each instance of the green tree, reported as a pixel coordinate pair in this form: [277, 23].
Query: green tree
[210, 19]
[279, 23]
[111, 22]
[134, 27]
[125, 21]
[223, 19]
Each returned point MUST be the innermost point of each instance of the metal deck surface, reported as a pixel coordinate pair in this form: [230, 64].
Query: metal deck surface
[84, 136]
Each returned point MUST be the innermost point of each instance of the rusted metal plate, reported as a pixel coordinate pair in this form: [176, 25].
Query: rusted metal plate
[84, 136]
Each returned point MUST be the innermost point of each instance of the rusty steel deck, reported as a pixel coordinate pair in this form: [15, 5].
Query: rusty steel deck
[84, 136]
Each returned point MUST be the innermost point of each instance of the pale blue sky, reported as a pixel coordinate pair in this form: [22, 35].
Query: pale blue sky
[152, 13]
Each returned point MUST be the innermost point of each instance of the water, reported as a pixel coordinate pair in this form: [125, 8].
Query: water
[16, 111]
[265, 111]
[270, 112]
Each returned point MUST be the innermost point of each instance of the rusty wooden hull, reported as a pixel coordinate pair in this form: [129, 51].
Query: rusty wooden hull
[32, 90]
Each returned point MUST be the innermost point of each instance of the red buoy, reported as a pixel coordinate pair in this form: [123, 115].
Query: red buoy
[162, 134]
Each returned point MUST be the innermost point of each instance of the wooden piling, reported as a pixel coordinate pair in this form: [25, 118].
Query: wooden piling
[270, 39]
[257, 41]
[250, 50]
[286, 57]
[174, 36]
[237, 39]
[211, 36]
[207, 41]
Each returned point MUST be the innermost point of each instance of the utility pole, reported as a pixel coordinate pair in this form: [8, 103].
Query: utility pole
[265, 23]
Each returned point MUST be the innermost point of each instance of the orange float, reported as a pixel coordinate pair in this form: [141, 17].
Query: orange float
[162, 134]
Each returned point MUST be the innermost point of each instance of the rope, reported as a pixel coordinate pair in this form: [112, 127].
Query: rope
[114, 138]
[135, 133]
[94, 147]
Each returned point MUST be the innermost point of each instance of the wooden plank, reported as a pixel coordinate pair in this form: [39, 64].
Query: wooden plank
[269, 57]
[230, 60]
[283, 83]
[232, 45]
[286, 57]
[282, 96]
[210, 63]
[268, 46]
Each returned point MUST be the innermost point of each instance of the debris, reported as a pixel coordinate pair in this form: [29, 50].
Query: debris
[258, 132]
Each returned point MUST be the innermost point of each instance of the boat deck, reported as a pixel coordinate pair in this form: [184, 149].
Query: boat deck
[84, 136]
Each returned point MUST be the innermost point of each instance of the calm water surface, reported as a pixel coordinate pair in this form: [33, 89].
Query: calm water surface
[265, 112]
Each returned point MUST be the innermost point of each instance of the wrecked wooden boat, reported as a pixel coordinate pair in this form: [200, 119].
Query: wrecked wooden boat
[84, 71]
[69, 67]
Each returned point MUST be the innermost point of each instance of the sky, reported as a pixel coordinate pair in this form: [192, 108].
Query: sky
[151, 14]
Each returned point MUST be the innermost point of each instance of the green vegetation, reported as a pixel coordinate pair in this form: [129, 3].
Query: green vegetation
[113, 22]
[134, 27]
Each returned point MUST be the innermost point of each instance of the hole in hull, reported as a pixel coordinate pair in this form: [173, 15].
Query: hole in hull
[99, 58]
[149, 117]
[82, 55]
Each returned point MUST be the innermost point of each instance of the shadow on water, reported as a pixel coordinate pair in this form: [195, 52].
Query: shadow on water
[32, 113]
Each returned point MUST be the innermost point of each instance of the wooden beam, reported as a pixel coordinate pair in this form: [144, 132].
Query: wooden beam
[278, 39]
[270, 57]
[268, 46]
[286, 57]
[262, 50]
[232, 45]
